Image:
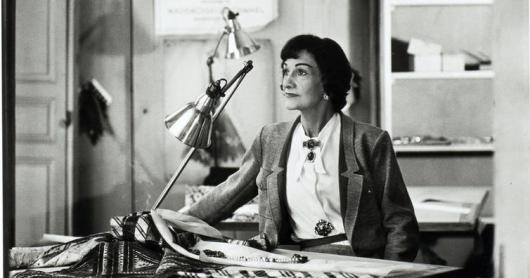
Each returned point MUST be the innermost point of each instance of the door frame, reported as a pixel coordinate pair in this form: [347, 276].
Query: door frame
[71, 80]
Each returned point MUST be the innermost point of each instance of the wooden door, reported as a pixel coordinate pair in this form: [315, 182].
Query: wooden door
[41, 90]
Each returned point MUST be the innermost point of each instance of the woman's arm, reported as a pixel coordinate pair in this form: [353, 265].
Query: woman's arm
[236, 191]
[398, 215]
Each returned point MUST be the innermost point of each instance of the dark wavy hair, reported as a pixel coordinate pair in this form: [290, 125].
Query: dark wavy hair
[336, 72]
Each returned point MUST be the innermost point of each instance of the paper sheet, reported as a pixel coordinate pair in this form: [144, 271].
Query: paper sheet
[439, 211]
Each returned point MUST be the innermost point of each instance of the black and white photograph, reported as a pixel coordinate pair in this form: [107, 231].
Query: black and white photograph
[265, 138]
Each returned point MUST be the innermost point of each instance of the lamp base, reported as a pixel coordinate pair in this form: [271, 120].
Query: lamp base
[219, 174]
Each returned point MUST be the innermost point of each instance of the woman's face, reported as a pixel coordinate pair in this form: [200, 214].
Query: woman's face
[302, 86]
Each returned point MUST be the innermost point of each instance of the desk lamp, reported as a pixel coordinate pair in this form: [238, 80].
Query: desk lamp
[193, 123]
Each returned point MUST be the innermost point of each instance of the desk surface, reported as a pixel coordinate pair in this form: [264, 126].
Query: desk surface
[400, 269]
[447, 208]
[438, 209]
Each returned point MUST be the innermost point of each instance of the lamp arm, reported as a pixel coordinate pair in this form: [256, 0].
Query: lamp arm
[209, 60]
[239, 78]
[173, 178]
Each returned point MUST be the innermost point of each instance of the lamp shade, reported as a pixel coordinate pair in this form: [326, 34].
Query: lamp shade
[193, 123]
[239, 43]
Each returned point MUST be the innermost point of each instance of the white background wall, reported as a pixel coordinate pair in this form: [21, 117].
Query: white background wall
[512, 138]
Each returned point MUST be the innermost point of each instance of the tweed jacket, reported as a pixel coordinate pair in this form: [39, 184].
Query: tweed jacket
[377, 213]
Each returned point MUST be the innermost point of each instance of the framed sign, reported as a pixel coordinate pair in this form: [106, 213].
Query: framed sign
[197, 17]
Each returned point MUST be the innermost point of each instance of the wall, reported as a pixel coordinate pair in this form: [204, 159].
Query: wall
[512, 135]
[103, 171]
[364, 50]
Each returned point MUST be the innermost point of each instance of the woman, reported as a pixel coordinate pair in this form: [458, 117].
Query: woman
[325, 182]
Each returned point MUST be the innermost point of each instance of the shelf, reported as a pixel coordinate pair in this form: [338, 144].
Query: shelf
[445, 148]
[478, 74]
[440, 2]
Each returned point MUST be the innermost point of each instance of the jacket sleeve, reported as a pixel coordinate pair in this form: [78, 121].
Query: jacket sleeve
[399, 219]
[236, 191]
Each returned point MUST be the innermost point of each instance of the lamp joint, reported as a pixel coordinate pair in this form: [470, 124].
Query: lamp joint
[232, 15]
[215, 90]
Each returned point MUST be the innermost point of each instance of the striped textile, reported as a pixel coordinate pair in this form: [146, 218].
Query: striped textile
[132, 259]
[135, 226]
[134, 248]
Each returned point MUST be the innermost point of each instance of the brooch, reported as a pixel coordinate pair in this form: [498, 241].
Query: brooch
[323, 227]
[311, 144]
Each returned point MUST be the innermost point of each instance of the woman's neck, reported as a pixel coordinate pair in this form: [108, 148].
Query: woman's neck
[314, 120]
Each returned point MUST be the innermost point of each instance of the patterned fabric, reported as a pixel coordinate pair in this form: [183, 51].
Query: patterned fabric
[134, 249]
[136, 226]
[57, 255]
[132, 259]
[114, 259]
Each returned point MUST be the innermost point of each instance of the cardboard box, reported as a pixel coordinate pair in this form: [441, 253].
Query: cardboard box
[426, 62]
[419, 47]
[453, 62]
[426, 56]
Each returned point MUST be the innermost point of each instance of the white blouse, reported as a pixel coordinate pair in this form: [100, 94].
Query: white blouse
[312, 188]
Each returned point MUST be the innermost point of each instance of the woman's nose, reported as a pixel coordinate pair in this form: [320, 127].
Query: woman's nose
[287, 83]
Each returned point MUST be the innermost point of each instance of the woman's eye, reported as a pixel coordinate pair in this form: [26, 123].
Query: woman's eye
[297, 72]
[301, 72]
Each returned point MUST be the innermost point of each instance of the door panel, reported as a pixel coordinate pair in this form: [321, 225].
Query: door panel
[34, 40]
[34, 177]
[34, 119]
[40, 190]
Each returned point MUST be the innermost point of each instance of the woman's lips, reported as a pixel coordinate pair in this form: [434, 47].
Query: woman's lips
[289, 95]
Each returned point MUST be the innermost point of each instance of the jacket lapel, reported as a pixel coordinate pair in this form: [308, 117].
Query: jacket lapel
[350, 183]
[276, 189]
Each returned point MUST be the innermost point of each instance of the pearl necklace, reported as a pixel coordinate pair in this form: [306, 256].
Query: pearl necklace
[295, 259]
